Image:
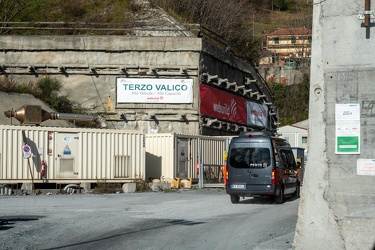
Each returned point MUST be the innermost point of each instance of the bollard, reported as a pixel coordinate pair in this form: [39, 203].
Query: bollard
[1, 191]
[5, 190]
[9, 191]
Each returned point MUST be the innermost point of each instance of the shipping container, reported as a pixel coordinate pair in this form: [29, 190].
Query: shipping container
[70, 155]
[171, 155]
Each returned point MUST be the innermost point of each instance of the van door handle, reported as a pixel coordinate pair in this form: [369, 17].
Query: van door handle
[254, 175]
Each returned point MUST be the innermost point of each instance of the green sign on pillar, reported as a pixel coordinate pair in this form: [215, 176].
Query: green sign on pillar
[347, 144]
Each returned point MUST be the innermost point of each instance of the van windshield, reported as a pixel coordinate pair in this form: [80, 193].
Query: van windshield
[249, 157]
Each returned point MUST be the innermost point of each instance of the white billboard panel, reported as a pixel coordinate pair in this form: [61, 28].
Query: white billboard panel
[257, 114]
[147, 90]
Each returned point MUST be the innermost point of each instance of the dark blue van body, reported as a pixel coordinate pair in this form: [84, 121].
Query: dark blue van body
[260, 165]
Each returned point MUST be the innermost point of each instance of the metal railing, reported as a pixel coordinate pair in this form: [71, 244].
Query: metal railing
[124, 29]
[212, 173]
[74, 28]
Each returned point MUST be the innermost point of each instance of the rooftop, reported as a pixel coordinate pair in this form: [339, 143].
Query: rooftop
[291, 31]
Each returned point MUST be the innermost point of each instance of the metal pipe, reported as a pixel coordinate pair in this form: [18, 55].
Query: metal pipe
[34, 114]
[77, 117]
[99, 120]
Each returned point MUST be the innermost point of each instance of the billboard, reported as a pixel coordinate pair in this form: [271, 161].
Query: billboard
[257, 114]
[222, 105]
[154, 90]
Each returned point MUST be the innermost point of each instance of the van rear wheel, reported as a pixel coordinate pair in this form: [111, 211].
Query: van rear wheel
[235, 199]
[280, 198]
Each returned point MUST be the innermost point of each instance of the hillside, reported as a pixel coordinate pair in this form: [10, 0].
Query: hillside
[243, 27]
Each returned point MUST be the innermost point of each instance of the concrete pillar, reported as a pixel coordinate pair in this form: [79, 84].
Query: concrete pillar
[337, 204]
[27, 186]
[86, 187]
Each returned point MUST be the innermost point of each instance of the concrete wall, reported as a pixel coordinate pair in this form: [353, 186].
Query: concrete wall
[337, 207]
[89, 65]
[72, 58]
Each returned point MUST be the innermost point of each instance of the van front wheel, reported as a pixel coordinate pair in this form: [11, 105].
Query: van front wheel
[235, 199]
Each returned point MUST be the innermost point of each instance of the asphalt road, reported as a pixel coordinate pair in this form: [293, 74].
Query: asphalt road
[192, 219]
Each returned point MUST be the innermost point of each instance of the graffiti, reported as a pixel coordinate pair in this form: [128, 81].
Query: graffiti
[368, 108]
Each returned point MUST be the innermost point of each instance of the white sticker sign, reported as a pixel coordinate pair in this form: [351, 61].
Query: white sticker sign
[347, 128]
[349, 111]
[366, 167]
[26, 150]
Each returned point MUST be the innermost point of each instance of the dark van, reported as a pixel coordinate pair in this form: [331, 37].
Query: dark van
[260, 165]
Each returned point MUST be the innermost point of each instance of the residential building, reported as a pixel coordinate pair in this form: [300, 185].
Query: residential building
[288, 44]
[296, 134]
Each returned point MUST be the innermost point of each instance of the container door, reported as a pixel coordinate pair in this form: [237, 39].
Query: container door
[182, 156]
[67, 155]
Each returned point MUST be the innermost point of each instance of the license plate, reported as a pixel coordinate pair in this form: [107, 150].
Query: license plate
[238, 186]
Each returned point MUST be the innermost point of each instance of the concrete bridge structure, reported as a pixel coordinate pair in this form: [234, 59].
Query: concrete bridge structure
[93, 68]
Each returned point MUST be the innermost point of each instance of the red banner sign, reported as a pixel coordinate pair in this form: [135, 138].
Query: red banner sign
[222, 105]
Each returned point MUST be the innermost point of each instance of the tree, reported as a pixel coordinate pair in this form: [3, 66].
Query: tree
[230, 19]
[292, 101]
[11, 9]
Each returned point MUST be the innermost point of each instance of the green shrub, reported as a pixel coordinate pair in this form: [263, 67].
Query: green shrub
[104, 187]
[142, 186]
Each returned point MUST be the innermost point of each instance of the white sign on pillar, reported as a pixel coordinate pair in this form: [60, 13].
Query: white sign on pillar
[348, 128]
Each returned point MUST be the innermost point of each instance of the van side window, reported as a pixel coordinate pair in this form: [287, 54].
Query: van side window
[288, 158]
[283, 156]
[291, 161]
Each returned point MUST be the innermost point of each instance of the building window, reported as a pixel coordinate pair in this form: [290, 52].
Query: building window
[309, 39]
[293, 40]
[276, 40]
[304, 139]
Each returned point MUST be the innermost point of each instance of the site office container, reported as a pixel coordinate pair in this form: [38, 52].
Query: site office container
[71, 155]
[171, 155]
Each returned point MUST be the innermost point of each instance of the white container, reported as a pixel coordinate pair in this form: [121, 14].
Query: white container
[71, 155]
[176, 155]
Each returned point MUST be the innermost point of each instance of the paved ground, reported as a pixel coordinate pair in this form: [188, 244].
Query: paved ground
[193, 219]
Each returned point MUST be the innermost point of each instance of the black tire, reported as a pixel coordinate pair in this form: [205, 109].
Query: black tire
[280, 198]
[297, 193]
[235, 199]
